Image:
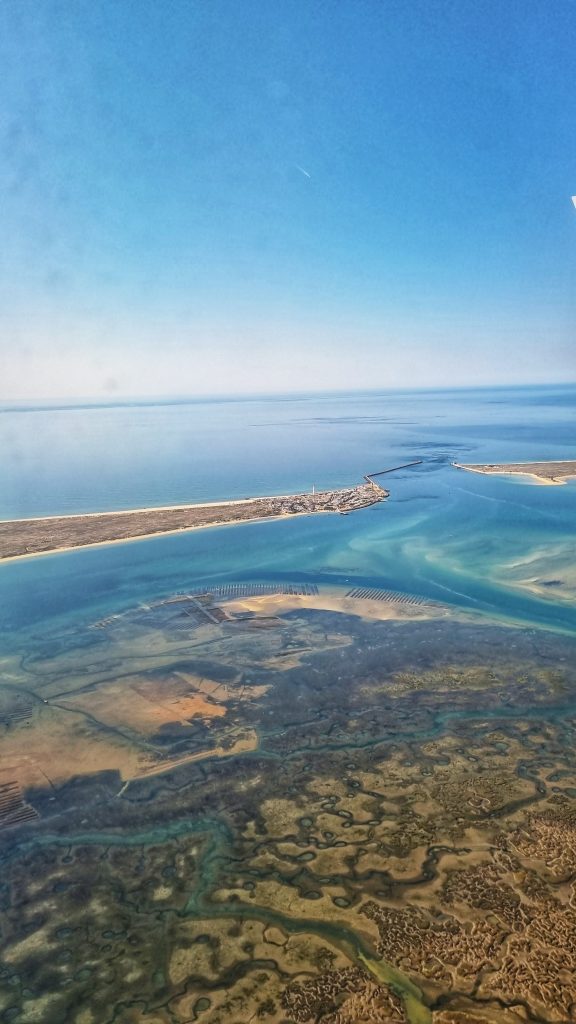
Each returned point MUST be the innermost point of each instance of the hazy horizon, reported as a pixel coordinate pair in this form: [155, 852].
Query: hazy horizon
[108, 400]
[251, 199]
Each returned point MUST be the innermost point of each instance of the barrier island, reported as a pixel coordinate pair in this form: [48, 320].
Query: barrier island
[542, 472]
[22, 537]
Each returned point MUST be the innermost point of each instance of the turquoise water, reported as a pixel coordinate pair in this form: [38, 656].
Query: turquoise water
[443, 534]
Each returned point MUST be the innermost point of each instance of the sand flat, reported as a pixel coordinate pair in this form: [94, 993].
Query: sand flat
[558, 472]
[336, 599]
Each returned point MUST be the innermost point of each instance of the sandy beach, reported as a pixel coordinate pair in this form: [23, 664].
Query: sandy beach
[543, 473]
[336, 599]
[142, 536]
[23, 538]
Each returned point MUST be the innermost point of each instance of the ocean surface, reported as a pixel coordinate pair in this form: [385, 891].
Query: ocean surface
[471, 541]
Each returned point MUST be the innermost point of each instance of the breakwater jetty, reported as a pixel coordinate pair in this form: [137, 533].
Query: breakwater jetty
[369, 477]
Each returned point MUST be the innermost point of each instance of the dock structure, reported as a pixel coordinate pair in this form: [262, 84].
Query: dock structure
[375, 594]
[199, 604]
[369, 477]
[238, 590]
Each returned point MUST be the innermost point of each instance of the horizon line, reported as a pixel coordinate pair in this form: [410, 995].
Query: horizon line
[82, 401]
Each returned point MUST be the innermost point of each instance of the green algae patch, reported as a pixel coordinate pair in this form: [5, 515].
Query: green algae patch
[410, 994]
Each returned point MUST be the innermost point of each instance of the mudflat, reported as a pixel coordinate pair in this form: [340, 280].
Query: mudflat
[22, 537]
[279, 801]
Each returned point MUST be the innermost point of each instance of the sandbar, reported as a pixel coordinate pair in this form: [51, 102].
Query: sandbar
[558, 472]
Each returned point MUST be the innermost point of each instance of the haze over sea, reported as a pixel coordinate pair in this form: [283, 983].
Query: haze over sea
[496, 545]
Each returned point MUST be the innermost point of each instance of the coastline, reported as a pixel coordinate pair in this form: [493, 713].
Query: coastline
[150, 536]
[514, 469]
[27, 538]
[151, 508]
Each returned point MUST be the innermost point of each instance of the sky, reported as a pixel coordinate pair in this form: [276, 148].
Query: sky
[205, 196]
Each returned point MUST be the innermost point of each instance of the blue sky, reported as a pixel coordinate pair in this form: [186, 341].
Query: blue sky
[160, 236]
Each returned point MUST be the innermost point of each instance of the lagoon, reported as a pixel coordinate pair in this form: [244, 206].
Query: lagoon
[289, 768]
[476, 542]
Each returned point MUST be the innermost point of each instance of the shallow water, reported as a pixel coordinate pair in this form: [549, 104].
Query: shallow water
[443, 533]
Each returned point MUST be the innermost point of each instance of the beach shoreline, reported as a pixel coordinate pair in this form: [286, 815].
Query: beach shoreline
[150, 508]
[542, 473]
[148, 536]
[31, 538]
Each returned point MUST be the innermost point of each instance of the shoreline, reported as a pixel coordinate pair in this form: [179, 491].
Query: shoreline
[151, 508]
[526, 469]
[31, 538]
[150, 536]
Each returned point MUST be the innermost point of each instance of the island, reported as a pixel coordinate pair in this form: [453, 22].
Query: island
[542, 472]
[22, 537]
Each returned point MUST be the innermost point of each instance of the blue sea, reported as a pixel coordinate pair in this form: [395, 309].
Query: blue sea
[474, 542]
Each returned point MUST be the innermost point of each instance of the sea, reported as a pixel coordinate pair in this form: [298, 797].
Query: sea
[501, 547]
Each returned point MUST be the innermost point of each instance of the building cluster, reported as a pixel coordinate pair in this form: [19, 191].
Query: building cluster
[343, 501]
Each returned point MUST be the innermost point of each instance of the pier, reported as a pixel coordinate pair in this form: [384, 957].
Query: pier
[395, 596]
[369, 477]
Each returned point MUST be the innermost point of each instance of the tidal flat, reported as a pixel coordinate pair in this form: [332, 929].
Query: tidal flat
[238, 805]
